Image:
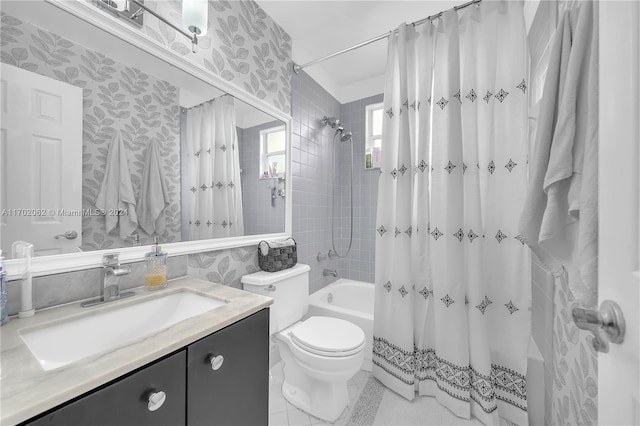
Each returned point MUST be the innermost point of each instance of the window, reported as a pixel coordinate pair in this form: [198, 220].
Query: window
[374, 136]
[273, 152]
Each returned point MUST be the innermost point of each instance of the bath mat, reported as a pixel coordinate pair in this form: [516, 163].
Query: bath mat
[365, 409]
[379, 406]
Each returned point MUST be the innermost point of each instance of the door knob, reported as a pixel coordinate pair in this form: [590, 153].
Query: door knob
[155, 400]
[69, 235]
[606, 324]
[216, 361]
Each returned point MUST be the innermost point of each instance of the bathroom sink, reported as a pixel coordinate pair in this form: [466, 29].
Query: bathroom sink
[60, 344]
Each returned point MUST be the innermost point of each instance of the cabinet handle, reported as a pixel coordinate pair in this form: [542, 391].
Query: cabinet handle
[155, 400]
[216, 361]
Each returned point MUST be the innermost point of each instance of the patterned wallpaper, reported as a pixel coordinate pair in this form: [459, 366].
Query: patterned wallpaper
[575, 366]
[243, 45]
[224, 266]
[115, 98]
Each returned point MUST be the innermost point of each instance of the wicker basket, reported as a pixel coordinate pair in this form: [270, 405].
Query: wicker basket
[278, 258]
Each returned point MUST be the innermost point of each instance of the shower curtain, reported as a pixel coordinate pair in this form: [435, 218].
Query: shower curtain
[215, 194]
[452, 274]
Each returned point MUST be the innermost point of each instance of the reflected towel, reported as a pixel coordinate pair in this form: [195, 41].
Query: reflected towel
[116, 191]
[154, 195]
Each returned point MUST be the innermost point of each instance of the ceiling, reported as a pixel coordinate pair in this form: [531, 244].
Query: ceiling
[319, 28]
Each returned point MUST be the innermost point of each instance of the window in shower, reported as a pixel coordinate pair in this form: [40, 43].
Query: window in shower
[272, 152]
[374, 136]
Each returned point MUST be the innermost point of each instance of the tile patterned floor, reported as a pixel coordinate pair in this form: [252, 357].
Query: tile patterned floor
[282, 413]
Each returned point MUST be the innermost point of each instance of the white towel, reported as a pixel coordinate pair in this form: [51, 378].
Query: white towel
[116, 191]
[536, 201]
[154, 195]
[559, 220]
[265, 245]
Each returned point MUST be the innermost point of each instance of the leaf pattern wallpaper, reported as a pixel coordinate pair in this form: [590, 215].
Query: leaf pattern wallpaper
[115, 98]
[243, 45]
[575, 367]
[224, 266]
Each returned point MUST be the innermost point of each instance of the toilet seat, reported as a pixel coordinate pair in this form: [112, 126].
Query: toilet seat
[326, 336]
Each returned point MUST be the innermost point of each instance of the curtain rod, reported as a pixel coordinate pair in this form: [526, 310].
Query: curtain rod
[192, 37]
[297, 68]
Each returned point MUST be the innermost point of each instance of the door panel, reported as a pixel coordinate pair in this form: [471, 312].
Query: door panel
[41, 165]
[619, 205]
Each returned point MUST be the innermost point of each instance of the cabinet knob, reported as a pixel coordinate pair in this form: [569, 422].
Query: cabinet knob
[216, 361]
[155, 400]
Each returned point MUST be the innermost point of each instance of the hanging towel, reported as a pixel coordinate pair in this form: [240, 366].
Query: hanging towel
[536, 200]
[116, 192]
[154, 195]
[562, 192]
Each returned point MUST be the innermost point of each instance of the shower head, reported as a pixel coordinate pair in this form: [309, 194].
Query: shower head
[345, 136]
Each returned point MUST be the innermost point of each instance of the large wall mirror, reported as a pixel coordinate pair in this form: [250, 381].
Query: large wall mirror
[105, 146]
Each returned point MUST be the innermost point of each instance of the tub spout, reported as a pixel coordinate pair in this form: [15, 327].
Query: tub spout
[330, 273]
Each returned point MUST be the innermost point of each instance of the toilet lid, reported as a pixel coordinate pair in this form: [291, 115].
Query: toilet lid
[328, 335]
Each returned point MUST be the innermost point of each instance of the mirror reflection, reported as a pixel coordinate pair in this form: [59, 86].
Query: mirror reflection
[104, 146]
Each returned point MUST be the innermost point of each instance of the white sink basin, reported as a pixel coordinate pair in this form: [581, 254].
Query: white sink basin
[61, 344]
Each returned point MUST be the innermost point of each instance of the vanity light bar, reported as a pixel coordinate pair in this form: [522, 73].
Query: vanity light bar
[192, 37]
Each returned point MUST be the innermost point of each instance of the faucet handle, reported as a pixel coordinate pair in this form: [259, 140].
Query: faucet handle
[111, 259]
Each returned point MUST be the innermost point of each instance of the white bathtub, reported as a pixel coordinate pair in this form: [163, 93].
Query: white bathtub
[354, 300]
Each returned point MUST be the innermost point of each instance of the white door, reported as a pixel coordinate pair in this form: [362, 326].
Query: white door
[40, 161]
[619, 235]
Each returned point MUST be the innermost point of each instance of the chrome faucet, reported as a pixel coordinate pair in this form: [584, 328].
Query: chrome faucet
[110, 276]
[330, 272]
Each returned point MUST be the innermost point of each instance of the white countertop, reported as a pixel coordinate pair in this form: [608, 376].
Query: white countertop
[26, 390]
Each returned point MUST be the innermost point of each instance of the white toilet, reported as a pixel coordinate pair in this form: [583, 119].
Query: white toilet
[319, 354]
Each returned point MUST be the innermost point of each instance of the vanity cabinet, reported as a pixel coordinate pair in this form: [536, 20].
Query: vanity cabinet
[228, 375]
[125, 402]
[222, 379]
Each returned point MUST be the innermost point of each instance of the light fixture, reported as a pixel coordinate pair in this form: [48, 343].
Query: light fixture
[195, 16]
[117, 5]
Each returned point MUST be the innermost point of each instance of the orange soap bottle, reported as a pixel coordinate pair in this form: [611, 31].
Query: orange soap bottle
[156, 262]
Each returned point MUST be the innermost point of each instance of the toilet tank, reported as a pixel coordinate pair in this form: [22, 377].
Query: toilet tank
[289, 289]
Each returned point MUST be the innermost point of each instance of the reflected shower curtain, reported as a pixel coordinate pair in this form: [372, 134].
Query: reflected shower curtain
[452, 274]
[215, 199]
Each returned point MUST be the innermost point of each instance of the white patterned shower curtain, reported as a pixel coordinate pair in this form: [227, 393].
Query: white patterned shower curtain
[452, 274]
[215, 199]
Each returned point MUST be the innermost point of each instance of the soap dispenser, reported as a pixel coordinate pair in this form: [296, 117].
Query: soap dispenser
[156, 262]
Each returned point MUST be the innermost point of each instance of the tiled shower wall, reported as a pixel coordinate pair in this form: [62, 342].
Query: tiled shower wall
[312, 171]
[359, 264]
[313, 177]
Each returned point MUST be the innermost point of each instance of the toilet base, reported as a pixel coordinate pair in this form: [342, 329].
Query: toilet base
[324, 400]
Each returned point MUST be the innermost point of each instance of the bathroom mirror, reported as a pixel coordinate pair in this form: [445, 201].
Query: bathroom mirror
[105, 146]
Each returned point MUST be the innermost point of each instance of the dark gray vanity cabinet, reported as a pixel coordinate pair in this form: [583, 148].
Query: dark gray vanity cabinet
[222, 379]
[125, 402]
[228, 375]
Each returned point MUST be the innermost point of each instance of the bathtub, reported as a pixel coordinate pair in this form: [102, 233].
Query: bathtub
[354, 300]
